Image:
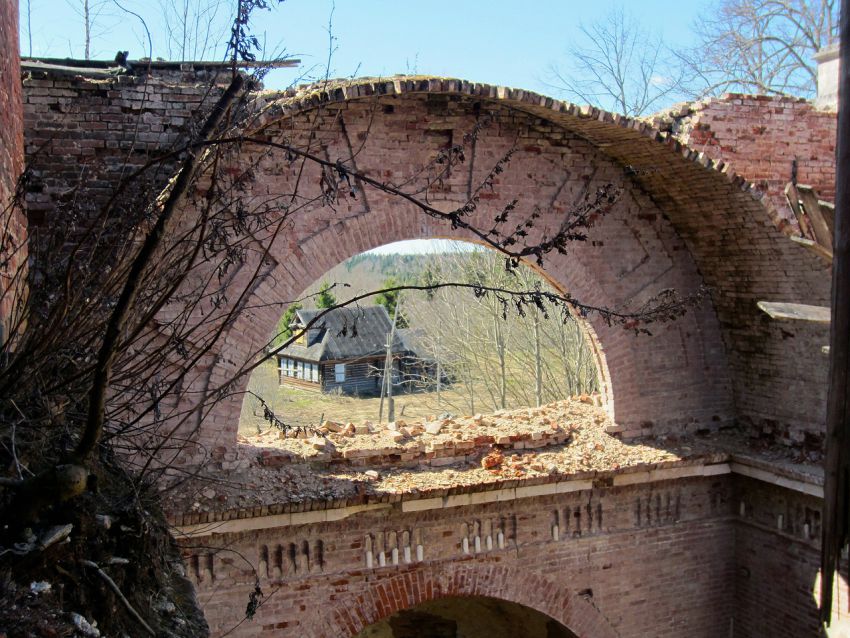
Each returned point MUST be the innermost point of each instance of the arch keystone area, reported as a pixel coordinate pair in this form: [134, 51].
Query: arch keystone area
[350, 613]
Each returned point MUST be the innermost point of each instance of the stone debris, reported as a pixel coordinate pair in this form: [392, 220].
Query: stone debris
[318, 443]
[104, 520]
[496, 449]
[332, 426]
[492, 460]
[434, 427]
[54, 535]
[436, 442]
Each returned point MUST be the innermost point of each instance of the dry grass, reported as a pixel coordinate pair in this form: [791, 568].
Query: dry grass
[304, 407]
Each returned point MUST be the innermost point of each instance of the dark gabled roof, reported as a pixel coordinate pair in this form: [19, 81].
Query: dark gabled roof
[344, 334]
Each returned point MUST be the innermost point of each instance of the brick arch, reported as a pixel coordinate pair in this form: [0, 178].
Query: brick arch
[349, 613]
[682, 221]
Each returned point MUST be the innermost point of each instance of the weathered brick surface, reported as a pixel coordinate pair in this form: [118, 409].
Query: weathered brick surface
[777, 557]
[693, 556]
[761, 137]
[683, 220]
[13, 253]
[657, 559]
[88, 133]
[687, 557]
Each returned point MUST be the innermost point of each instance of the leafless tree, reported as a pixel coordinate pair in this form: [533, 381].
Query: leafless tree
[193, 29]
[758, 46]
[618, 64]
[539, 355]
[91, 12]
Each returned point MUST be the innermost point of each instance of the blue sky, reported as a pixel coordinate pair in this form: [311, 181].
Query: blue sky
[507, 42]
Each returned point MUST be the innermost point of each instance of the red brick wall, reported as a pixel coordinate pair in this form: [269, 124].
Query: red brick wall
[694, 556]
[88, 133]
[777, 558]
[678, 224]
[679, 213]
[13, 251]
[760, 136]
[634, 253]
[681, 222]
[658, 560]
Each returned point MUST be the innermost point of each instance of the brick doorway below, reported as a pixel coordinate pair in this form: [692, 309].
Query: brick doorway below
[469, 617]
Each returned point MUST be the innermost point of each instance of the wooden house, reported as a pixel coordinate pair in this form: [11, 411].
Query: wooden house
[343, 351]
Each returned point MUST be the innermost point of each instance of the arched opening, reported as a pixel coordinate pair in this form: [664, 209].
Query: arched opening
[675, 380]
[467, 617]
[455, 343]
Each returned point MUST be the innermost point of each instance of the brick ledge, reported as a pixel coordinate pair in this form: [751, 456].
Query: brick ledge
[242, 520]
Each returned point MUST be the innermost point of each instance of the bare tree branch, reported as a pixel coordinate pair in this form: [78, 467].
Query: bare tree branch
[758, 46]
[618, 65]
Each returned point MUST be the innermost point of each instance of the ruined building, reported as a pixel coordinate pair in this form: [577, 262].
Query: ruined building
[686, 502]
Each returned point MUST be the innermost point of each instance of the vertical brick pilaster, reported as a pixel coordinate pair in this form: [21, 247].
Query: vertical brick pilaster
[13, 227]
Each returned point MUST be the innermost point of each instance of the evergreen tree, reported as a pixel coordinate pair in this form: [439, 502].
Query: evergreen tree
[325, 299]
[389, 300]
[283, 331]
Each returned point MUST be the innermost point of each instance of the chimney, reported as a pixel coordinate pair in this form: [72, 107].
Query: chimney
[827, 59]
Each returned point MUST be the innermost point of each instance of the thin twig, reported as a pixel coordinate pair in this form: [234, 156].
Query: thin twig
[118, 593]
[14, 452]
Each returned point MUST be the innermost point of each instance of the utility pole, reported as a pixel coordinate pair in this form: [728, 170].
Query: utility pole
[387, 385]
[837, 465]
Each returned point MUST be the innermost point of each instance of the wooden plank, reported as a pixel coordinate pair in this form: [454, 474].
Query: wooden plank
[811, 206]
[820, 251]
[827, 209]
[793, 199]
[795, 311]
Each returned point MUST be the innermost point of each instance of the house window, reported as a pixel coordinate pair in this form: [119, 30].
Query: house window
[314, 372]
[339, 372]
[288, 367]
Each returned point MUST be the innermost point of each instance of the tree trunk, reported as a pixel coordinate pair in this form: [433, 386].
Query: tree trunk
[388, 371]
[538, 368]
[499, 339]
[87, 19]
[439, 378]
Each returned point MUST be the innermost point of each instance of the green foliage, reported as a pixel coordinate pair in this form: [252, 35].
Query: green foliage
[283, 331]
[325, 299]
[389, 300]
